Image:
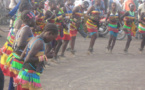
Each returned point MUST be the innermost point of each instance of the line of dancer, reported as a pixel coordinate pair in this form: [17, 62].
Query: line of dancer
[38, 34]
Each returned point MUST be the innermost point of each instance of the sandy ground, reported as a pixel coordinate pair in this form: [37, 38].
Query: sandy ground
[99, 71]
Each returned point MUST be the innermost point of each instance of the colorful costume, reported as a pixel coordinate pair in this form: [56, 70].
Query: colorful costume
[73, 24]
[92, 25]
[6, 50]
[66, 33]
[59, 23]
[130, 26]
[40, 21]
[112, 26]
[13, 62]
[141, 27]
[29, 76]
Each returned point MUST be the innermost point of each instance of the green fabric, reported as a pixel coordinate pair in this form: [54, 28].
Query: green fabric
[23, 75]
[17, 65]
[127, 27]
[141, 28]
[112, 25]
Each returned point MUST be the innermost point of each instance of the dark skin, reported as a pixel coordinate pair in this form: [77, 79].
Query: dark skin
[25, 35]
[31, 57]
[48, 14]
[65, 43]
[59, 42]
[129, 39]
[96, 19]
[142, 20]
[112, 39]
[78, 22]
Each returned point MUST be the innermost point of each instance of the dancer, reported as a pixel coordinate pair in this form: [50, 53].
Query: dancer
[7, 48]
[141, 28]
[59, 21]
[129, 26]
[113, 26]
[34, 57]
[39, 18]
[93, 15]
[23, 36]
[66, 37]
[75, 23]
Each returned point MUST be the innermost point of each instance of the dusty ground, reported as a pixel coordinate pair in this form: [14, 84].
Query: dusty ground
[100, 71]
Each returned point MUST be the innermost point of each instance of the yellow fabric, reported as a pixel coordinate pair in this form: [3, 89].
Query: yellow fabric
[40, 53]
[3, 59]
[65, 31]
[133, 29]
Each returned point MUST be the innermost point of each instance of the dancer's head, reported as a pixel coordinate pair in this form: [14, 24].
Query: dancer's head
[85, 5]
[131, 6]
[25, 5]
[97, 2]
[28, 18]
[52, 4]
[60, 3]
[50, 32]
[113, 6]
[70, 2]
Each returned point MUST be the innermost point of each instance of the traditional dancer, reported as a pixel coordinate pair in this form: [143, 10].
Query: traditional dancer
[34, 56]
[113, 26]
[59, 21]
[129, 26]
[39, 18]
[68, 12]
[141, 28]
[7, 48]
[23, 36]
[93, 15]
[75, 23]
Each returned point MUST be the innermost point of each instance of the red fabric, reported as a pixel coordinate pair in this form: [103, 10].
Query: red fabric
[113, 29]
[92, 30]
[6, 71]
[66, 37]
[58, 37]
[73, 33]
[141, 31]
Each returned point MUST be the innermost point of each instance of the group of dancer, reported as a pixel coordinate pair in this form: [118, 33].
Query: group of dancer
[37, 36]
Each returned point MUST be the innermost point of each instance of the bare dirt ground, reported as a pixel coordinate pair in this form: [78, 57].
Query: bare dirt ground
[99, 71]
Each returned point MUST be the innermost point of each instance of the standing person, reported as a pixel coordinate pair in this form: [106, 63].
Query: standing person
[66, 37]
[129, 26]
[59, 21]
[39, 18]
[23, 36]
[141, 28]
[75, 23]
[94, 16]
[34, 56]
[114, 18]
[7, 48]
